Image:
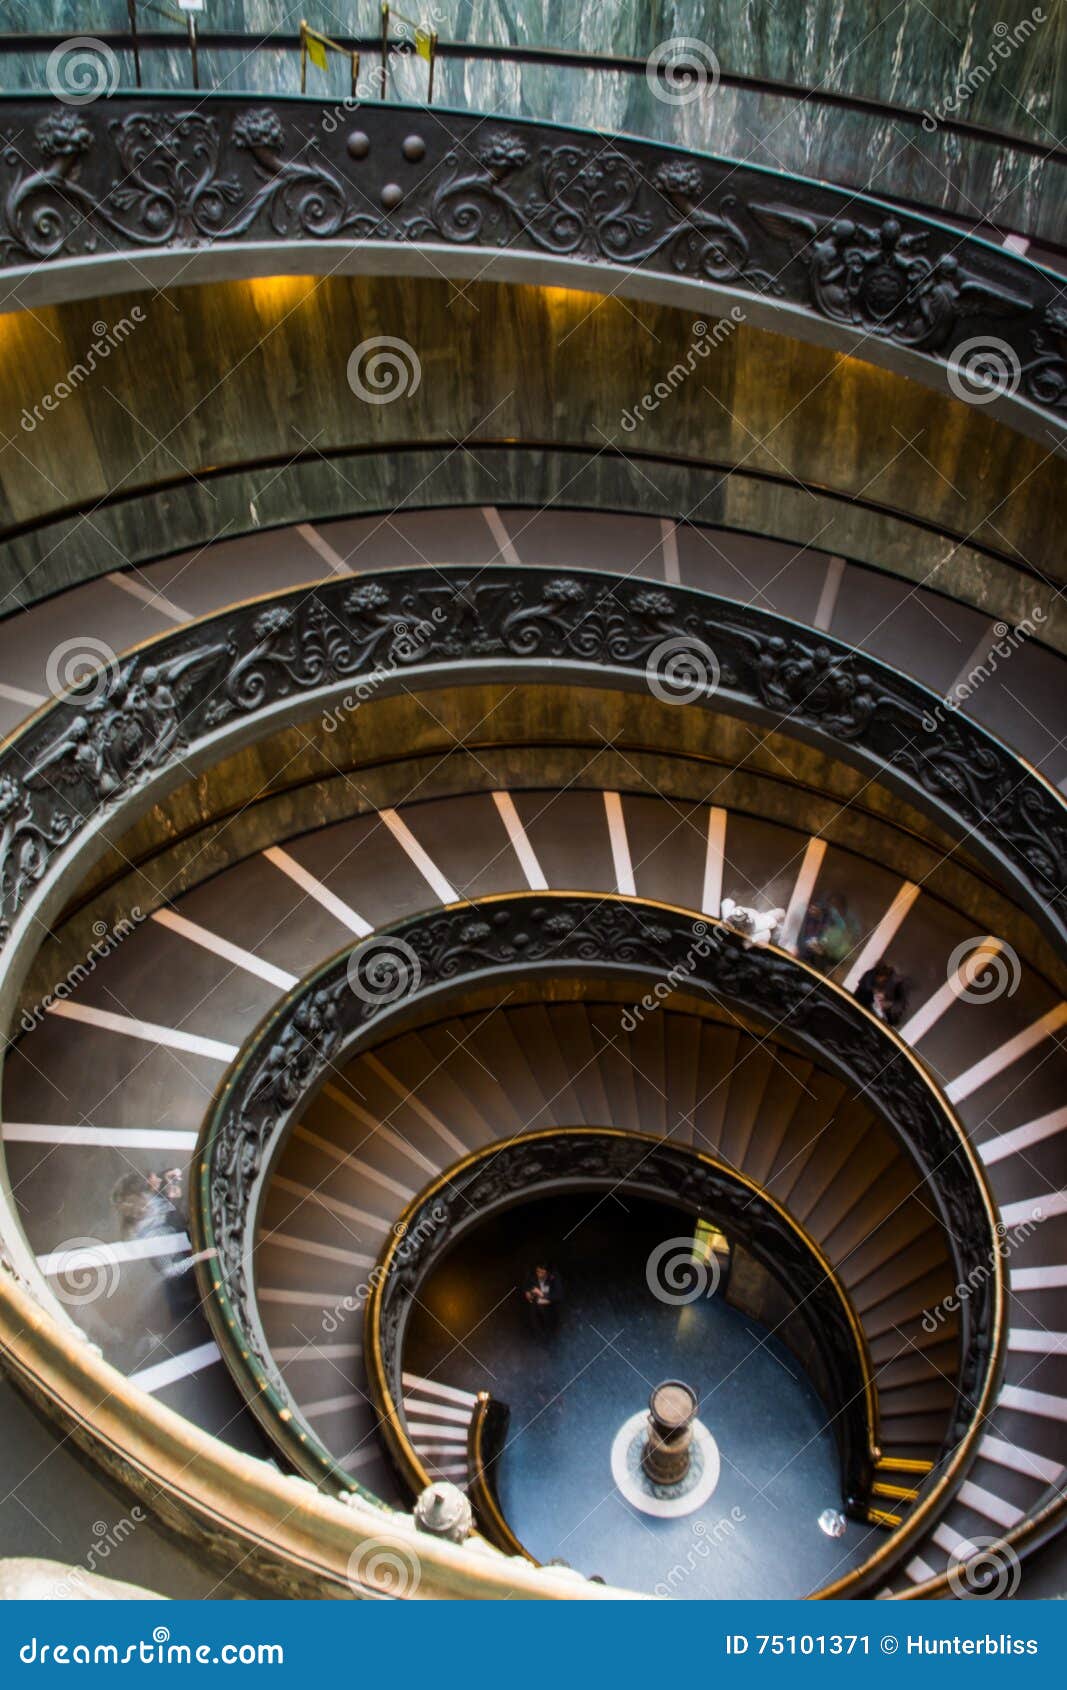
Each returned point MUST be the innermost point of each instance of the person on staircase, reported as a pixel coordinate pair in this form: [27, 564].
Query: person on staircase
[753, 927]
[884, 992]
[543, 1294]
[829, 933]
[152, 1206]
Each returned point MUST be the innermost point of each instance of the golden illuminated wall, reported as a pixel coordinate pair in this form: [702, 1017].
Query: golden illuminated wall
[225, 375]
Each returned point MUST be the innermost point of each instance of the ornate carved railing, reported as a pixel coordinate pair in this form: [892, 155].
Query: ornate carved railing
[117, 740]
[139, 177]
[88, 763]
[589, 1158]
[324, 1020]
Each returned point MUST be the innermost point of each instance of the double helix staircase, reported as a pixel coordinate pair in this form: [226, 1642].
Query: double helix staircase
[117, 1073]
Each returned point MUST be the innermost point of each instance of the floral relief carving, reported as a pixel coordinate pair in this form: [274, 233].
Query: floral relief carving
[100, 743]
[328, 1019]
[161, 174]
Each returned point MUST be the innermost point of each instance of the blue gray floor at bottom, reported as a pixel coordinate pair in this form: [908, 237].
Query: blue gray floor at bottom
[570, 1391]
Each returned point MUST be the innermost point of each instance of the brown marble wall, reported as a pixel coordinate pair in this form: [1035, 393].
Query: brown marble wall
[150, 452]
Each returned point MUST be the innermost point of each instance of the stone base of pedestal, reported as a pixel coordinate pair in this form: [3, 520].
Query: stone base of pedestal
[666, 1501]
[666, 1460]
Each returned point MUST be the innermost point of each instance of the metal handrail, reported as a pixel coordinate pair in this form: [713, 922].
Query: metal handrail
[248, 43]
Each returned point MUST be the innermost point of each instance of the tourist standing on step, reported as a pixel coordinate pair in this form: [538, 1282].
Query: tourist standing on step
[543, 1294]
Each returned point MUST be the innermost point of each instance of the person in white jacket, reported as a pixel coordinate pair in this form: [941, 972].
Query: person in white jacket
[754, 927]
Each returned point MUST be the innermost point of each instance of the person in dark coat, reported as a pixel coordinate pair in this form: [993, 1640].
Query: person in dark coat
[884, 992]
[543, 1294]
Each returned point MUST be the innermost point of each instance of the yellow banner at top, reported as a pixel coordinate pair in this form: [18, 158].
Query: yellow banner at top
[422, 37]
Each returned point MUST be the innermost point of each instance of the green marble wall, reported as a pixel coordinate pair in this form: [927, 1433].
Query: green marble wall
[908, 54]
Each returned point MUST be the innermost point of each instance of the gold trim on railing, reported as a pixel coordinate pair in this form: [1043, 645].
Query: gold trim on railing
[482, 1491]
[1039, 1527]
[64, 1375]
[391, 1422]
[279, 1531]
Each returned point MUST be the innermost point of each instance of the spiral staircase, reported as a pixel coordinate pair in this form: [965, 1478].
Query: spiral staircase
[373, 798]
[158, 1020]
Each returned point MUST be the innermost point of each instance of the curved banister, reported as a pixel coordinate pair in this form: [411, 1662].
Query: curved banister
[485, 1441]
[91, 760]
[1039, 1527]
[226, 184]
[183, 695]
[514, 53]
[81, 767]
[280, 1532]
[326, 1020]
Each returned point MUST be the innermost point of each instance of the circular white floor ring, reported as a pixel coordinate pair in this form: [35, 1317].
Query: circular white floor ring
[667, 1502]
